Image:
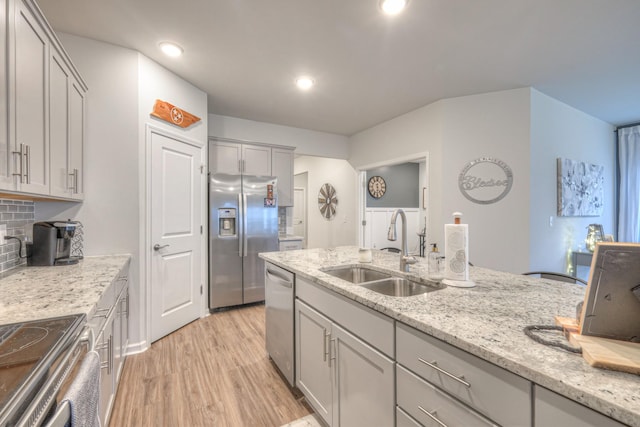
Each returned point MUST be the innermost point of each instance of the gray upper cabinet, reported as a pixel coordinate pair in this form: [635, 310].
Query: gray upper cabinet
[29, 117]
[59, 130]
[39, 121]
[66, 139]
[5, 153]
[234, 158]
[75, 154]
[225, 157]
[282, 167]
[255, 159]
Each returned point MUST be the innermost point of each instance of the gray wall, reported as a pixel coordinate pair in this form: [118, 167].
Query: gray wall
[403, 186]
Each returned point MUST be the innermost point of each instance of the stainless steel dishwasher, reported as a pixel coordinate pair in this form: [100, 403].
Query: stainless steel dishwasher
[279, 315]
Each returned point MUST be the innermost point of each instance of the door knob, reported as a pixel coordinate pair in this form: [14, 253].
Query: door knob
[157, 247]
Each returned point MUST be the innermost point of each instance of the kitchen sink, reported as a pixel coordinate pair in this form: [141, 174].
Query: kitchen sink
[399, 287]
[356, 274]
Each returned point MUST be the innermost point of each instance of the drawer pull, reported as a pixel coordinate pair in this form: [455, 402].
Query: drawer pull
[432, 416]
[326, 344]
[437, 368]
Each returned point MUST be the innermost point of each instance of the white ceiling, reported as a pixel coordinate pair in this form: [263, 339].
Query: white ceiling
[369, 67]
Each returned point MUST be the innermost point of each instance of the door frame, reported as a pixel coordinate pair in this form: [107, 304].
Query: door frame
[362, 189]
[145, 231]
[305, 232]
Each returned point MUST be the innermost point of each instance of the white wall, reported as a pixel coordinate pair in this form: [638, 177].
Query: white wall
[558, 130]
[407, 136]
[156, 82]
[488, 125]
[307, 142]
[110, 211]
[521, 127]
[123, 86]
[341, 230]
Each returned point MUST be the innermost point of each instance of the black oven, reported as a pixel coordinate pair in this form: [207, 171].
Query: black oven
[37, 363]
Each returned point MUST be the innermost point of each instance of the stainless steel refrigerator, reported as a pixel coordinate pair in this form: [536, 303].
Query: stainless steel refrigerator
[243, 221]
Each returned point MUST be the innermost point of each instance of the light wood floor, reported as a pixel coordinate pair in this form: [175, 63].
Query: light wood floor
[212, 372]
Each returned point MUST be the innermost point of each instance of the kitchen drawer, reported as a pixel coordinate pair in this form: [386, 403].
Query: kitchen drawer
[431, 406]
[553, 409]
[122, 278]
[404, 420]
[492, 391]
[368, 325]
[98, 317]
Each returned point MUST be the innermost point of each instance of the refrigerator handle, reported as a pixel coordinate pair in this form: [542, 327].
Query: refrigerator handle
[239, 224]
[244, 225]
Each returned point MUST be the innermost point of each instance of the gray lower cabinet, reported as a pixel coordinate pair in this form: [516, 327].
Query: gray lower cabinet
[404, 420]
[345, 367]
[451, 375]
[433, 407]
[348, 382]
[313, 362]
[110, 324]
[552, 409]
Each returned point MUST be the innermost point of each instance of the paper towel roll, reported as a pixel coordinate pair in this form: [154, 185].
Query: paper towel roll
[456, 251]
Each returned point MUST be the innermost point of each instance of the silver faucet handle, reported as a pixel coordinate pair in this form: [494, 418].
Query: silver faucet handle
[410, 259]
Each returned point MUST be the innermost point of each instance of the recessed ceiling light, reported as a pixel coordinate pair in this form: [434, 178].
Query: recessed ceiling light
[393, 7]
[305, 83]
[171, 49]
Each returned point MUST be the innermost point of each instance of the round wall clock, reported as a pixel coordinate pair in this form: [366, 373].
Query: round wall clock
[327, 201]
[377, 186]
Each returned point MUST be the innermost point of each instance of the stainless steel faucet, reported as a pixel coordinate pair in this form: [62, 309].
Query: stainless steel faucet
[405, 259]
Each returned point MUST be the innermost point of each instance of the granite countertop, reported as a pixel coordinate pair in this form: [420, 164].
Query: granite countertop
[30, 293]
[486, 321]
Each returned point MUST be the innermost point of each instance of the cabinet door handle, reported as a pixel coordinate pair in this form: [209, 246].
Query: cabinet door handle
[102, 312]
[74, 179]
[333, 341]
[27, 156]
[110, 354]
[239, 166]
[325, 344]
[20, 162]
[432, 416]
[442, 371]
[109, 347]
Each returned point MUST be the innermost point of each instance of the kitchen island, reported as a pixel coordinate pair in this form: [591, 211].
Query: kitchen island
[486, 321]
[30, 293]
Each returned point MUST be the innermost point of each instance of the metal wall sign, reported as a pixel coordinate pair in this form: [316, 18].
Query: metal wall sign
[485, 180]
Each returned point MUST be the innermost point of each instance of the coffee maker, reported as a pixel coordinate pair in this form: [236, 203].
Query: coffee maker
[52, 243]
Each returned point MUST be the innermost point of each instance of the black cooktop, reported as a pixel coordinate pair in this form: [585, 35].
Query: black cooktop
[27, 352]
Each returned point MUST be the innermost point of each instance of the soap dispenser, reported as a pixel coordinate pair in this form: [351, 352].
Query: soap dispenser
[434, 259]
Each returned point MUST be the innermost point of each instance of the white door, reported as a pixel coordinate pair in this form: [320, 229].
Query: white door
[300, 215]
[176, 183]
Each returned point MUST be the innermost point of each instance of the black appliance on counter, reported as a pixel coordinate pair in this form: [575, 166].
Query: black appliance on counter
[52, 243]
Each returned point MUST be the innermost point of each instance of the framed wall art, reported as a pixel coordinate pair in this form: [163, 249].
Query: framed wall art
[580, 188]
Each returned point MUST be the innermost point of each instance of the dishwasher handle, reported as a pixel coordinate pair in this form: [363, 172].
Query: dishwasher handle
[282, 281]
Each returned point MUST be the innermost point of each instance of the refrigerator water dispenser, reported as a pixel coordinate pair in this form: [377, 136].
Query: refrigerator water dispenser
[226, 222]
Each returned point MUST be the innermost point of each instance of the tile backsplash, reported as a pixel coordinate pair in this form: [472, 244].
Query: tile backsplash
[18, 216]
